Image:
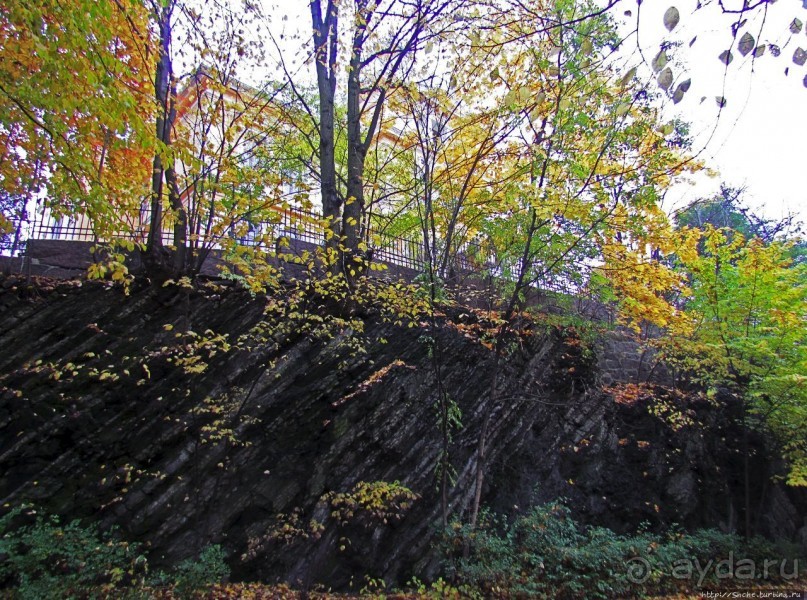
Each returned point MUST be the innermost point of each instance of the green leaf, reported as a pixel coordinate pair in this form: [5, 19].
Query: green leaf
[759, 50]
[799, 56]
[726, 57]
[660, 61]
[796, 25]
[721, 101]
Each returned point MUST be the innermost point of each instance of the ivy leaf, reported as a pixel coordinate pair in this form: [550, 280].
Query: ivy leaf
[671, 18]
[726, 57]
[746, 44]
[799, 56]
[660, 61]
[759, 50]
[665, 79]
[795, 26]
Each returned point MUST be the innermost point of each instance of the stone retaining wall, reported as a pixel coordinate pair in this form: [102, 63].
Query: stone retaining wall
[621, 357]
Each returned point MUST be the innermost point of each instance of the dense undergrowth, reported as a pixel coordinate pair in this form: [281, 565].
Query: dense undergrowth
[544, 553]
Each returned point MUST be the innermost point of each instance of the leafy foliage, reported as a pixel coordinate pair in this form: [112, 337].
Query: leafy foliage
[50, 560]
[46, 560]
[373, 502]
[198, 573]
[369, 505]
[545, 553]
[745, 327]
[74, 108]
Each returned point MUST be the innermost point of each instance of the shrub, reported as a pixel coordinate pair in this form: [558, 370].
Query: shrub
[192, 575]
[547, 554]
[49, 560]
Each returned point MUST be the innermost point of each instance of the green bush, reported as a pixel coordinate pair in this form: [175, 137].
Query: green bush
[547, 554]
[49, 560]
[193, 575]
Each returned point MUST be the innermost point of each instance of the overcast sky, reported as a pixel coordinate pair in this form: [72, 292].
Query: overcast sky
[756, 140]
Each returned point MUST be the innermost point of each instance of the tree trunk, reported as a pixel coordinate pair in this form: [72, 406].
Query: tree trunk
[325, 53]
[356, 154]
[156, 258]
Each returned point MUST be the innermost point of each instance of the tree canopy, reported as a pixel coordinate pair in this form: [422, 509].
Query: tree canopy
[743, 324]
[74, 104]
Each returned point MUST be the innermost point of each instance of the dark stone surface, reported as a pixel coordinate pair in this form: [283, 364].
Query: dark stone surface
[99, 419]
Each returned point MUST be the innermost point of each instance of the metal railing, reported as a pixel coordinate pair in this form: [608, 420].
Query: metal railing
[81, 229]
[304, 226]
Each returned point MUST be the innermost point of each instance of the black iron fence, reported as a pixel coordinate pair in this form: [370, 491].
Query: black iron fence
[292, 224]
[82, 229]
[296, 225]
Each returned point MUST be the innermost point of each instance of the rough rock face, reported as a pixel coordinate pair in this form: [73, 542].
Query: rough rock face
[110, 408]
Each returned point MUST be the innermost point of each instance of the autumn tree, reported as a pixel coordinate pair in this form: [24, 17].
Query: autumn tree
[74, 107]
[578, 174]
[210, 187]
[163, 172]
[725, 210]
[743, 332]
[382, 40]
